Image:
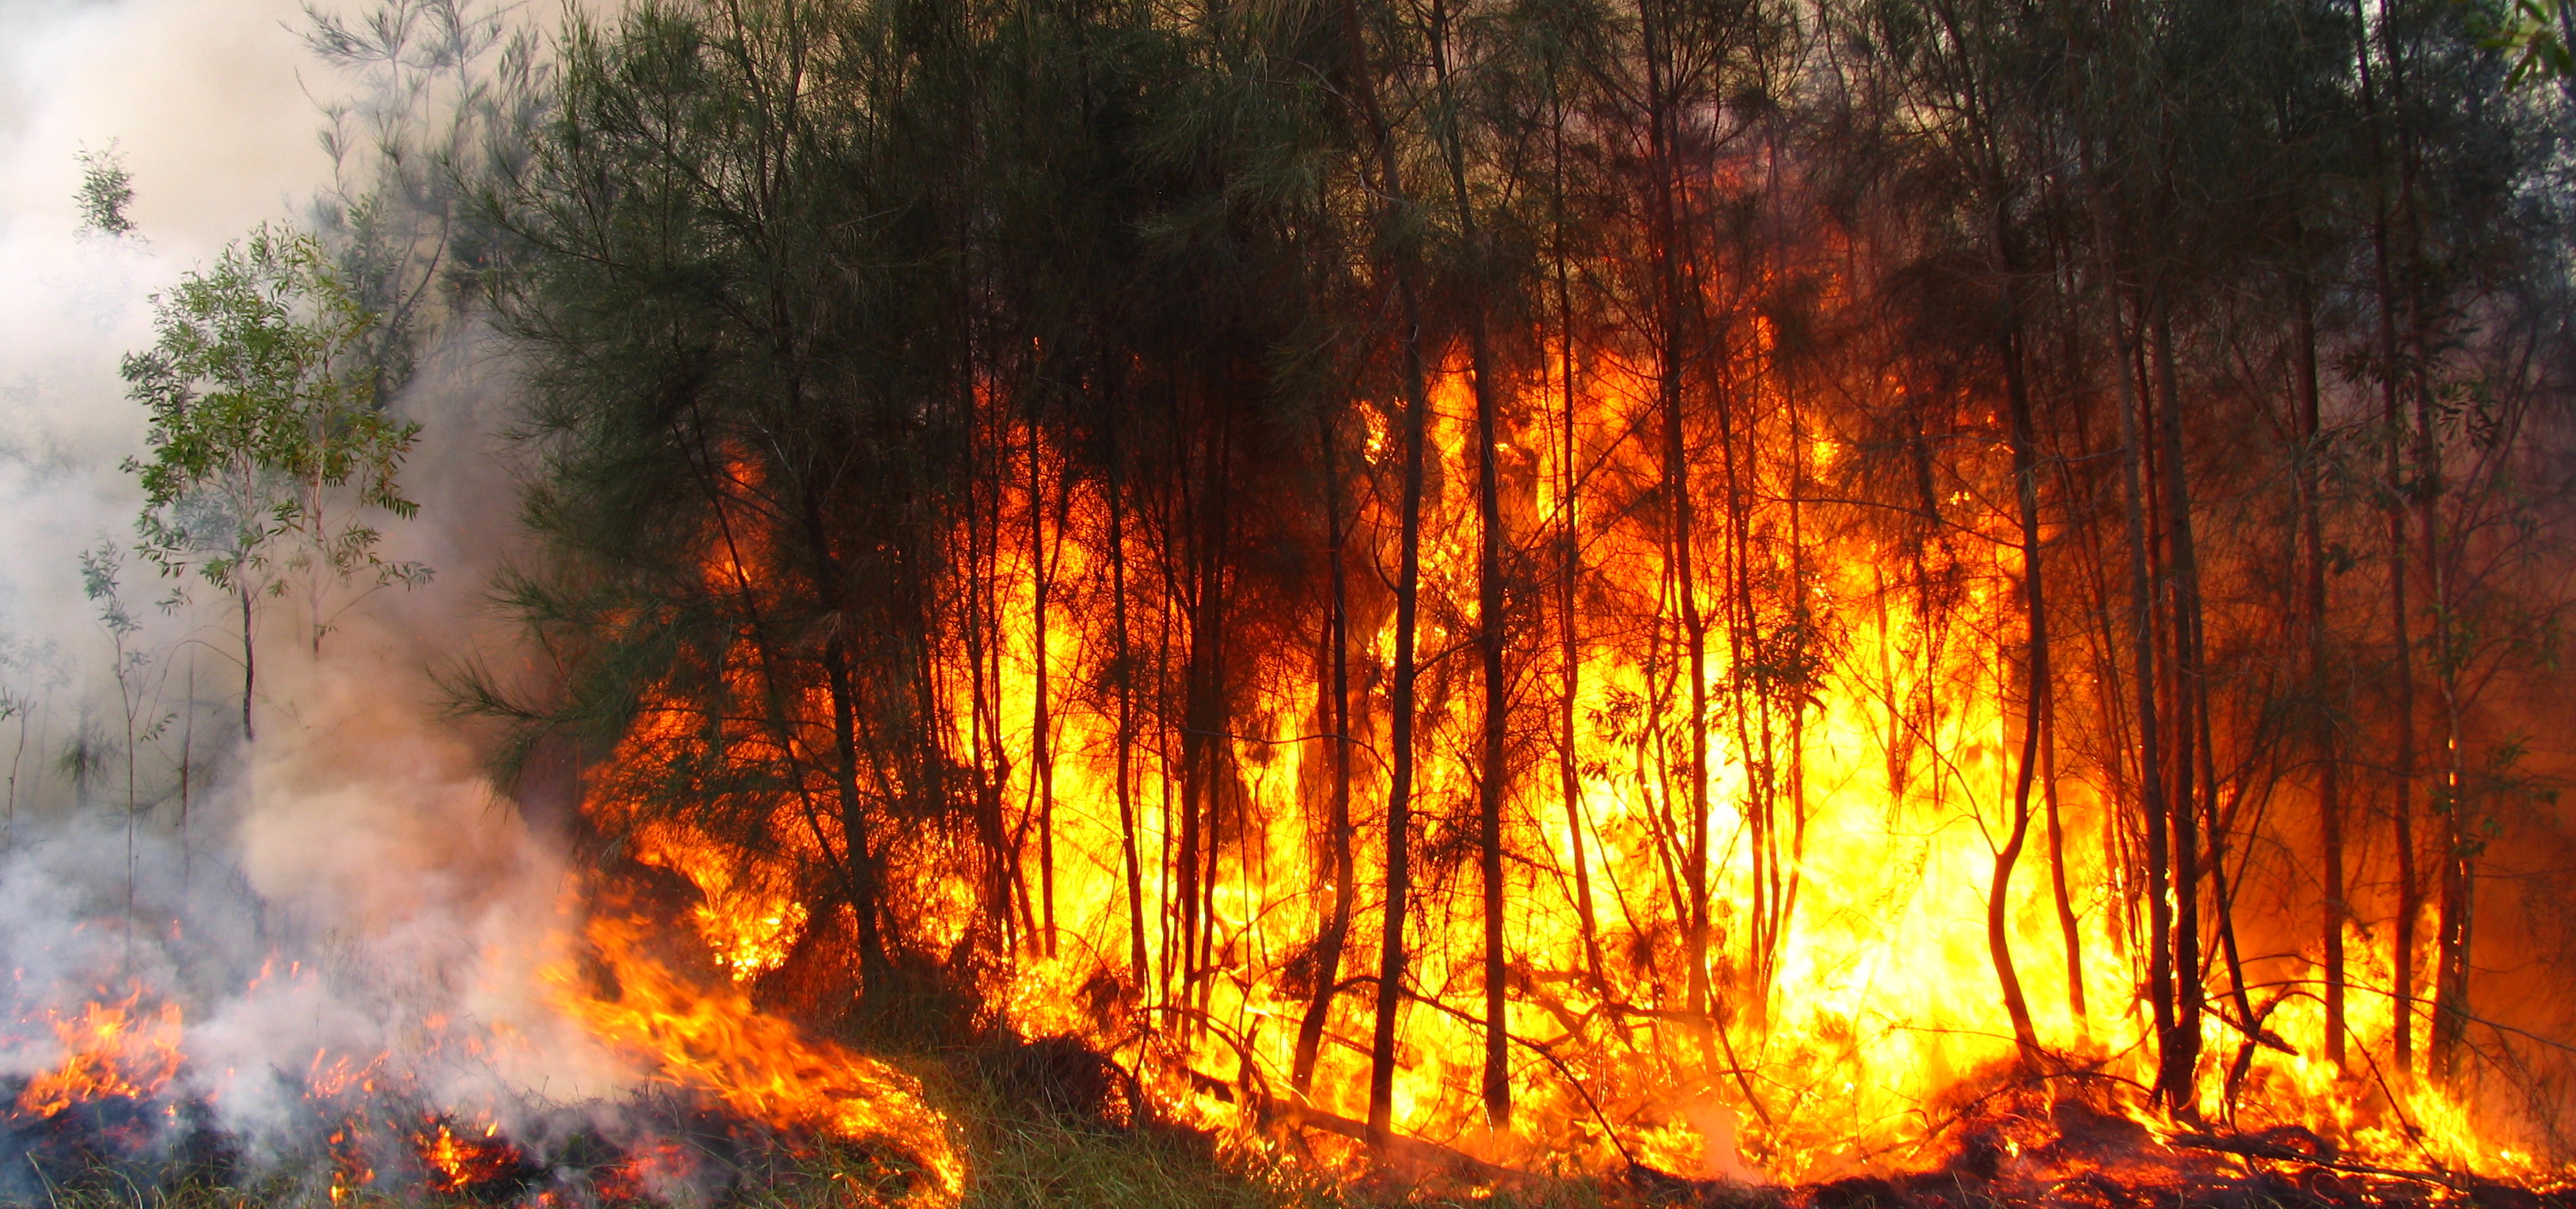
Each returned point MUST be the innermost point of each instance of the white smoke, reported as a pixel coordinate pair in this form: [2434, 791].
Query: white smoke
[353, 885]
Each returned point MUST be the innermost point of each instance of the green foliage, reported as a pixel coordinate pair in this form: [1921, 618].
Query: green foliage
[267, 444]
[434, 82]
[2533, 34]
[824, 306]
[137, 687]
[106, 189]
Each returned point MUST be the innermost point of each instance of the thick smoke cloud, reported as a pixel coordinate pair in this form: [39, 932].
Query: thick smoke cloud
[353, 885]
[205, 103]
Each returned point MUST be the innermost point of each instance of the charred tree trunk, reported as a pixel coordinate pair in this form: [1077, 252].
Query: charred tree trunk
[2155, 828]
[2035, 698]
[2182, 1056]
[2457, 870]
[1492, 785]
[1417, 408]
[1337, 926]
[2314, 611]
[1041, 721]
[1399, 798]
[250, 657]
[856, 828]
[2409, 903]
[1570, 564]
[1123, 682]
[1665, 220]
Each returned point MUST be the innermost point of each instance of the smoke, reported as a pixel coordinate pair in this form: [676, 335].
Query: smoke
[352, 887]
[205, 105]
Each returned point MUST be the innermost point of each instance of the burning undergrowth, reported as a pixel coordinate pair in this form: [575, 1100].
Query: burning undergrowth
[2033, 1144]
[722, 1097]
[728, 1104]
[388, 984]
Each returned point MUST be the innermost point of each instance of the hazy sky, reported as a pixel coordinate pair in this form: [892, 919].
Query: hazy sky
[211, 102]
[207, 97]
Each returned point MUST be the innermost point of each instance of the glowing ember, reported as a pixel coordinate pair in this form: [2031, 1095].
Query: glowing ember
[461, 1162]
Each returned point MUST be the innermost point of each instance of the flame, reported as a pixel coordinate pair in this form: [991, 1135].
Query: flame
[460, 1162]
[109, 1049]
[748, 930]
[757, 1065]
[1861, 748]
[650, 1168]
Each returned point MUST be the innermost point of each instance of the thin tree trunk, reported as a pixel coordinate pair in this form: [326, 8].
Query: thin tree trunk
[1665, 221]
[187, 767]
[1491, 783]
[2409, 905]
[2035, 698]
[843, 689]
[2409, 901]
[2182, 1055]
[1569, 572]
[1126, 738]
[1336, 933]
[1399, 803]
[2330, 841]
[2154, 830]
[1041, 723]
[250, 659]
[2070, 934]
[2457, 871]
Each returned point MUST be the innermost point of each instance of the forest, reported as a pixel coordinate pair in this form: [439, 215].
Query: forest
[1723, 590]
[1640, 578]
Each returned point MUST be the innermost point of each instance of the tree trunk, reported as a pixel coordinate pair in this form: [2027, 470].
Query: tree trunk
[1041, 722]
[250, 658]
[1665, 221]
[2154, 830]
[842, 686]
[1399, 798]
[2409, 905]
[1569, 574]
[2314, 608]
[2182, 1055]
[1129, 850]
[2457, 871]
[1337, 927]
[2035, 698]
[1491, 779]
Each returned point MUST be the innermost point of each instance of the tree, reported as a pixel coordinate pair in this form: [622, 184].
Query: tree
[1955, 380]
[106, 189]
[138, 687]
[268, 445]
[2537, 35]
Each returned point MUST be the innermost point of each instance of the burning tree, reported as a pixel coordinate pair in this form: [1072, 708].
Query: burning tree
[1578, 577]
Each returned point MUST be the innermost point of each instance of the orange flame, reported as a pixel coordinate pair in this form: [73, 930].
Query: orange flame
[757, 1065]
[109, 1049]
[1861, 751]
[460, 1162]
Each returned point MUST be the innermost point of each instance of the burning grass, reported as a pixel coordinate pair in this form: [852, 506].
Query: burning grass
[1029, 1146]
